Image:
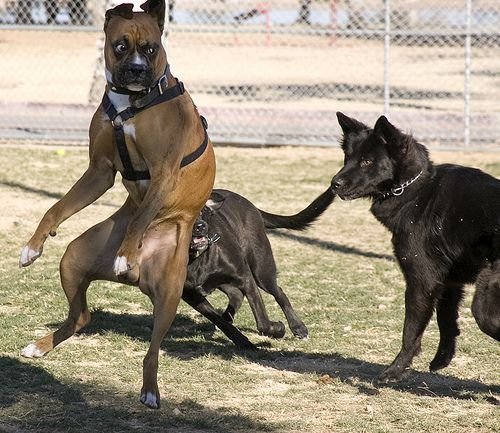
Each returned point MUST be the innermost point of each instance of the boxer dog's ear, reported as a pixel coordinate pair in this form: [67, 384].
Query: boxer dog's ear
[124, 10]
[155, 8]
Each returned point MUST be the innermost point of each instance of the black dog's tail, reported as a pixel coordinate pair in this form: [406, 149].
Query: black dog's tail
[304, 218]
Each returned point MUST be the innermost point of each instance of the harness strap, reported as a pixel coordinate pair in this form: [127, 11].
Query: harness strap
[129, 173]
[193, 156]
[160, 93]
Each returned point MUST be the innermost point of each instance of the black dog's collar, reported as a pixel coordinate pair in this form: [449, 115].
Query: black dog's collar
[398, 190]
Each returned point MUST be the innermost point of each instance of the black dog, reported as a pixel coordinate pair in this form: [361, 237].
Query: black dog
[445, 225]
[237, 258]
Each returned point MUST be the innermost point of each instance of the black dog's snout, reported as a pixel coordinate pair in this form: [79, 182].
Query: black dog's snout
[200, 228]
[337, 183]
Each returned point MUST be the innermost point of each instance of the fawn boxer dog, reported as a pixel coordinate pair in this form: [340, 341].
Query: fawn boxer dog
[149, 130]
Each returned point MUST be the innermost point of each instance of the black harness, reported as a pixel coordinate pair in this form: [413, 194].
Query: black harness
[156, 95]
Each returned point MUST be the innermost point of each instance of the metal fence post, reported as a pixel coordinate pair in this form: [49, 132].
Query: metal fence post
[387, 47]
[467, 72]
[266, 65]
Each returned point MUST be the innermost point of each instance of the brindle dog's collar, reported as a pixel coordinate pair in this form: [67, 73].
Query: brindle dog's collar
[398, 190]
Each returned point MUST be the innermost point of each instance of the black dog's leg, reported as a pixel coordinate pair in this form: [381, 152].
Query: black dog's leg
[296, 325]
[447, 318]
[418, 311]
[235, 296]
[264, 325]
[200, 304]
[264, 271]
[486, 301]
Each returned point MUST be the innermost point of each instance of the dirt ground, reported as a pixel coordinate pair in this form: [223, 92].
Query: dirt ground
[340, 276]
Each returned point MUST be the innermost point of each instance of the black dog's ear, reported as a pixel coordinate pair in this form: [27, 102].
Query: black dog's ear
[215, 201]
[125, 10]
[349, 124]
[392, 136]
[387, 131]
[155, 8]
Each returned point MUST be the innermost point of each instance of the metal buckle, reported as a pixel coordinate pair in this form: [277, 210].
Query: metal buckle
[214, 238]
[398, 191]
[117, 122]
[163, 78]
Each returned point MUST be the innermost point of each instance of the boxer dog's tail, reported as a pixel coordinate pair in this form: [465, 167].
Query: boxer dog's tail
[304, 218]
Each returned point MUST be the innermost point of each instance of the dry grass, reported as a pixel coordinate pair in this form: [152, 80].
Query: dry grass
[340, 276]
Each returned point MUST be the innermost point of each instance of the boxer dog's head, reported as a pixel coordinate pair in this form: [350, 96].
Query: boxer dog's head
[134, 56]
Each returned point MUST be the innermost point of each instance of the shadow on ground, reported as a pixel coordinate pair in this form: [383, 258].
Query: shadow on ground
[332, 246]
[360, 374]
[42, 192]
[32, 400]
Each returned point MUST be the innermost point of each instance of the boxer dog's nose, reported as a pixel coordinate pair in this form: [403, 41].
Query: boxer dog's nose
[137, 68]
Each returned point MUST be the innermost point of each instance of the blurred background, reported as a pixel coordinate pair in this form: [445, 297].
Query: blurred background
[269, 72]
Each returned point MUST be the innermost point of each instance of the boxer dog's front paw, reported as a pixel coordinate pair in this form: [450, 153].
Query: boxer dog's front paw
[126, 260]
[29, 255]
[122, 265]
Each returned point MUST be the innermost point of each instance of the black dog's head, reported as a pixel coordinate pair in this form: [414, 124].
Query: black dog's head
[134, 56]
[375, 160]
[199, 239]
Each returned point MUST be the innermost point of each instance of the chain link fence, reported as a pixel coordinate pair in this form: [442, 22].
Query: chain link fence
[270, 72]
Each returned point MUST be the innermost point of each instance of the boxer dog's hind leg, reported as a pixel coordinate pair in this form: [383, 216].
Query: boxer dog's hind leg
[164, 272]
[89, 257]
[98, 178]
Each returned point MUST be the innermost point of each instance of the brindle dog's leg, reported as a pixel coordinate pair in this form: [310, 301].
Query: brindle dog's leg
[87, 258]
